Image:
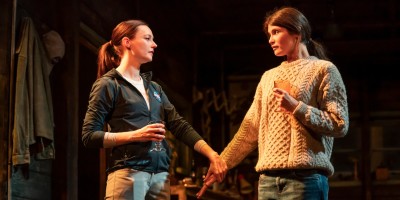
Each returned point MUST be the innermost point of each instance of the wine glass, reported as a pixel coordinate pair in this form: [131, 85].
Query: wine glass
[158, 145]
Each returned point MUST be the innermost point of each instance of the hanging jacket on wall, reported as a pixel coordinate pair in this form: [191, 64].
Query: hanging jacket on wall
[33, 111]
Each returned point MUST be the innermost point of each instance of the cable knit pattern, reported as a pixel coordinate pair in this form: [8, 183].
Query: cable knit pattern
[302, 139]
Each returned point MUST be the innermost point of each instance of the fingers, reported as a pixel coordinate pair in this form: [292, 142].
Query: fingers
[210, 179]
[149, 134]
[219, 177]
[202, 191]
[207, 176]
[152, 136]
[208, 183]
[154, 132]
[279, 91]
[224, 168]
[154, 128]
[220, 171]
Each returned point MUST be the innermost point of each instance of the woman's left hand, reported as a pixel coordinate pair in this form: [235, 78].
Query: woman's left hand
[218, 168]
[285, 100]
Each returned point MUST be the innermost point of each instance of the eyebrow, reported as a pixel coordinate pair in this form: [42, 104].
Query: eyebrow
[272, 29]
[276, 28]
[148, 34]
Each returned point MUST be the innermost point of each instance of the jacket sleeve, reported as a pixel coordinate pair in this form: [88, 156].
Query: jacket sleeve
[178, 126]
[100, 105]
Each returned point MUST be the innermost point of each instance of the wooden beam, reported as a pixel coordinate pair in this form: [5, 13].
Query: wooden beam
[7, 40]
[70, 85]
[90, 36]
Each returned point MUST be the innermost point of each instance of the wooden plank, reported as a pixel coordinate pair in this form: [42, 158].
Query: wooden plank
[7, 32]
[71, 76]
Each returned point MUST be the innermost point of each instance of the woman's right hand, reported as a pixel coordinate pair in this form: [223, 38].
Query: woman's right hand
[151, 132]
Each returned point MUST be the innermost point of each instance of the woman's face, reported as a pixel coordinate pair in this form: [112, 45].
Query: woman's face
[282, 42]
[143, 45]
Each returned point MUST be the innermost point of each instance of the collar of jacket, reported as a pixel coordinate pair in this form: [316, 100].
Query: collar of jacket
[146, 76]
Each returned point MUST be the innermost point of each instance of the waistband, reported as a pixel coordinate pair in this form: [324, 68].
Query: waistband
[297, 172]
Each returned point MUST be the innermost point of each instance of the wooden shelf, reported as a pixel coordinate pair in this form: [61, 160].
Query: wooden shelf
[353, 183]
[387, 182]
[386, 149]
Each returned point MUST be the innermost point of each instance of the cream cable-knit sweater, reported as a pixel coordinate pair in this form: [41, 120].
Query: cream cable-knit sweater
[299, 140]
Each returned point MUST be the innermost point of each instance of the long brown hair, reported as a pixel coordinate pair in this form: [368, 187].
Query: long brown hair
[109, 53]
[296, 23]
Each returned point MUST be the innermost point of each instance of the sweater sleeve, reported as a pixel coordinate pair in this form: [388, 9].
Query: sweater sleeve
[245, 139]
[331, 116]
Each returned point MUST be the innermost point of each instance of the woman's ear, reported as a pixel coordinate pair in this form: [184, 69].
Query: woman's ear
[126, 42]
[298, 38]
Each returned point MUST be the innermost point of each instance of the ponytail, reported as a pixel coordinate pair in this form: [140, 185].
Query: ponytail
[107, 59]
[317, 49]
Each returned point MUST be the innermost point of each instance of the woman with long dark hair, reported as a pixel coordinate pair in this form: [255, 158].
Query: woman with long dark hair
[298, 109]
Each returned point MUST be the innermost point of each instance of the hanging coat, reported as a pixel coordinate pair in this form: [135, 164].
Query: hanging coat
[33, 111]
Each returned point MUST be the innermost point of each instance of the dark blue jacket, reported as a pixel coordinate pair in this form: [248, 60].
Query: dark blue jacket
[116, 102]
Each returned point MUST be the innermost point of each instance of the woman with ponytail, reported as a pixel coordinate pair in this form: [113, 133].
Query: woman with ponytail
[298, 109]
[137, 113]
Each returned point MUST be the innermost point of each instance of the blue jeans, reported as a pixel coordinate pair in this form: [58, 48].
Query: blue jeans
[293, 186]
[130, 184]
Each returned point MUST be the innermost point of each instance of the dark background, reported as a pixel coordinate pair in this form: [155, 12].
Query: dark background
[210, 55]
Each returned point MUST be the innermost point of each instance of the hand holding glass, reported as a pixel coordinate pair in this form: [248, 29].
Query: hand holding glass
[284, 85]
[158, 145]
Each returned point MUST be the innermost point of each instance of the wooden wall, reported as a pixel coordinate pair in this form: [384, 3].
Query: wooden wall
[216, 45]
[44, 179]
[6, 47]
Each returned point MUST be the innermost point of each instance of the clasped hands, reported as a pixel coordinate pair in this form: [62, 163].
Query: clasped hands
[216, 173]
